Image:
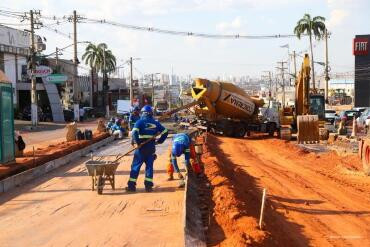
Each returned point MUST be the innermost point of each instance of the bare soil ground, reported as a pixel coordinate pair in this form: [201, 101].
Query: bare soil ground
[59, 209]
[313, 199]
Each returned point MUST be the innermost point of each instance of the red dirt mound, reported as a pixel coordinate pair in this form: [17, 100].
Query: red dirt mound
[43, 155]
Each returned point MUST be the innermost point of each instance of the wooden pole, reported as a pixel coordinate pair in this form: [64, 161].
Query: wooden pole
[262, 207]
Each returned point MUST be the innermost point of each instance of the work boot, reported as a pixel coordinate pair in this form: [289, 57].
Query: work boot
[148, 189]
[181, 184]
[130, 189]
[180, 176]
[170, 177]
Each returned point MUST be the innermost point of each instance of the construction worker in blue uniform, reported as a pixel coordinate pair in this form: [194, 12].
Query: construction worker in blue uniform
[182, 144]
[134, 117]
[144, 129]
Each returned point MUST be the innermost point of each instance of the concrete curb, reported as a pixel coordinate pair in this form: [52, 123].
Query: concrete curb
[194, 233]
[26, 176]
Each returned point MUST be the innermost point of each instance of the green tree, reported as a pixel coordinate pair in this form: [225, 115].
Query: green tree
[311, 27]
[102, 60]
[95, 55]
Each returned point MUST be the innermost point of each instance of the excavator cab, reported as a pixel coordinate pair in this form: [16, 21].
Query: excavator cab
[317, 106]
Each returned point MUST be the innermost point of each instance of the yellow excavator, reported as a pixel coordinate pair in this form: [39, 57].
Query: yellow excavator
[307, 117]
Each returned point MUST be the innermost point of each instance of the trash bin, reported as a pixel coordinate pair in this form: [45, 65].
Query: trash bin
[7, 152]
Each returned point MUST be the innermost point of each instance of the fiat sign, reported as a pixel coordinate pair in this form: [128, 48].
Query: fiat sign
[360, 46]
[41, 71]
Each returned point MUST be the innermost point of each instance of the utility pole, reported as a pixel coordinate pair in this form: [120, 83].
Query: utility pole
[56, 56]
[326, 67]
[131, 82]
[152, 90]
[282, 69]
[32, 67]
[75, 87]
[75, 59]
[34, 115]
[295, 65]
[105, 85]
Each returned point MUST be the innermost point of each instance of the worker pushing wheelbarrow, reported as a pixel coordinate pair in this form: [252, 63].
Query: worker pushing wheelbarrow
[144, 135]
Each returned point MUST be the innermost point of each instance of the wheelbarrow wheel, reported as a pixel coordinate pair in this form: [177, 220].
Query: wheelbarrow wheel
[100, 185]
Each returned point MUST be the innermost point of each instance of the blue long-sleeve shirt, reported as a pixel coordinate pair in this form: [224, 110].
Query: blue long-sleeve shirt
[145, 128]
[133, 119]
[182, 139]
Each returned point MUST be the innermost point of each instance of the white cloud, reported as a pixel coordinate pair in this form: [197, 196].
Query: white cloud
[337, 16]
[235, 24]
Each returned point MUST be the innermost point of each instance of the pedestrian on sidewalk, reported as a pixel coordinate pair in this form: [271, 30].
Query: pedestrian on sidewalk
[182, 144]
[145, 129]
[82, 114]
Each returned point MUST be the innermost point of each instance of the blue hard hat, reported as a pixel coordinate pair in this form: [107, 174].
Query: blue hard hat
[147, 108]
[177, 149]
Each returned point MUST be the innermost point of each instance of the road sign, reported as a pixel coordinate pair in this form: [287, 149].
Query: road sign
[56, 78]
[41, 71]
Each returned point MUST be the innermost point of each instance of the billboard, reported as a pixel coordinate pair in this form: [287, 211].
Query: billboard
[362, 70]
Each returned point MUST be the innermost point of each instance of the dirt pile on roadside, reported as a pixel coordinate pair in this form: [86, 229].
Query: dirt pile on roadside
[46, 154]
[234, 220]
[327, 160]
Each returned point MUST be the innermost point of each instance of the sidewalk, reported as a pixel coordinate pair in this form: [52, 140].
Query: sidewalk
[47, 133]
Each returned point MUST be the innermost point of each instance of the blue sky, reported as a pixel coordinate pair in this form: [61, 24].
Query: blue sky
[206, 57]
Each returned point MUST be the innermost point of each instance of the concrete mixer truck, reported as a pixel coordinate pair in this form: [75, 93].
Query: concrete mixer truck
[227, 109]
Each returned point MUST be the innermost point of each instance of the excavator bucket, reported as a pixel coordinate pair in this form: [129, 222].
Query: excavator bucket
[308, 129]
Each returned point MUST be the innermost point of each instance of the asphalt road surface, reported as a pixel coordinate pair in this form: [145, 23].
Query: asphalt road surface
[47, 133]
[60, 209]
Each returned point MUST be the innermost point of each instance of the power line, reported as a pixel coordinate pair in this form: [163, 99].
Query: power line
[184, 33]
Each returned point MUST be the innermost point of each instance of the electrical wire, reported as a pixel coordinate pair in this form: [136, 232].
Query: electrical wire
[184, 33]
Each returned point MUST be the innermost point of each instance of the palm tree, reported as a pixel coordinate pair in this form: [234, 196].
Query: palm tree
[311, 27]
[102, 60]
[95, 55]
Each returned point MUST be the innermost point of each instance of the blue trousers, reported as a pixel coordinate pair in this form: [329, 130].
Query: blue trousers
[138, 160]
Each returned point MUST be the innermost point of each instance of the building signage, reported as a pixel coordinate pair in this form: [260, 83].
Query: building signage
[56, 78]
[360, 46]
[41, 71]
[15, 38]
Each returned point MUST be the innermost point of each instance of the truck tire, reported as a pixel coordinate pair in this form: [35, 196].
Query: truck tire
[228, 132]
[323, 134]
[271, 129]
[366, 158]
[285, 133]
[239, 130]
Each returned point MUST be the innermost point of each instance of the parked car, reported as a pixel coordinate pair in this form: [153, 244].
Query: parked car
[26, 114]
[347, 116]
[363, 121]
[69, 115]
[330, 115]
[89, 111]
